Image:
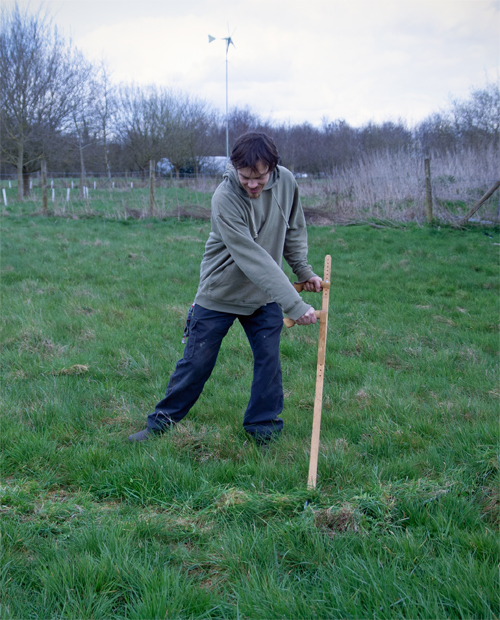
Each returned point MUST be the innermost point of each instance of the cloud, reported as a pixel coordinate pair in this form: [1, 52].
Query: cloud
[351, 59]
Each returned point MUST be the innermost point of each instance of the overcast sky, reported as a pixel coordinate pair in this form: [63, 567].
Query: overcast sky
[295, 60]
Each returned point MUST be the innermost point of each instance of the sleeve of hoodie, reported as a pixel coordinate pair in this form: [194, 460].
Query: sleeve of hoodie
[295, 250]
[255, 262]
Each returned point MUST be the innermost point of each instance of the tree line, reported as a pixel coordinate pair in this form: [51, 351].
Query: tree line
[58, 106]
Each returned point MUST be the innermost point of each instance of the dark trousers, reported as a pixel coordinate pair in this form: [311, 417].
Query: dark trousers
[206, 329]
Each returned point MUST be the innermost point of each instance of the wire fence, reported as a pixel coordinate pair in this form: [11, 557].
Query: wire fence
[103, 179]
[382, 188]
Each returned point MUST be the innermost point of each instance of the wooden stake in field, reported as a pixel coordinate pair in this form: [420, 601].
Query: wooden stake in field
[43, 165]
[482, 200]
[151, 187]
[320, 369]
[428, 190]
[320, 375]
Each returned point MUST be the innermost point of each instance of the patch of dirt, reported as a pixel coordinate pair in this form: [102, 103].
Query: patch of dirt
[337, 521]
[324, 217]
[194, 212]
[490, 505]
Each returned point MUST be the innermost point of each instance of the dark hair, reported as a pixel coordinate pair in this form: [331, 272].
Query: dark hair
[252, 147]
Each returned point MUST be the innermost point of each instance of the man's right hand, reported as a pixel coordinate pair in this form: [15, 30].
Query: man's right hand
[308, 318]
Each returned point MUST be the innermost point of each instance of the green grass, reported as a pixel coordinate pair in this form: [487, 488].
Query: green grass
[201, 524]
[171, 199]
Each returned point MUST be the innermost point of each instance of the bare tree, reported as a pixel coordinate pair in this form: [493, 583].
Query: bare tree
[307, 140]
[144, 115]
[477, 120]
[386, 136]
[84, 116]
[155, 123]
[191, 133]
[39, 84]
[242, 120]
[105, 110]
[472, 123]
[436, 135]
[177, 135]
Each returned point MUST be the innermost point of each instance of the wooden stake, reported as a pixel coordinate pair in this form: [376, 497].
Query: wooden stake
[428, 189]
[44, 185]
[320, 372]
[479, 203]
[151, 187]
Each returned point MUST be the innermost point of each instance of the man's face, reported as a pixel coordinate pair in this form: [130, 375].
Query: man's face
[254, 182]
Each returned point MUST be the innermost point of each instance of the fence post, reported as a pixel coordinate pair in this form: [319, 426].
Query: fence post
[151, 186]
[43, 165]
[428, 189]
[479, 203]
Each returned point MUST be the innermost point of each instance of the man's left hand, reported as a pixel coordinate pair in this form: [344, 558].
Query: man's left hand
[308, 318]
[313, 285]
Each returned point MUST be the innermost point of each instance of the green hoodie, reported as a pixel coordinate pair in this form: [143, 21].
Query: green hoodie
[241, 269]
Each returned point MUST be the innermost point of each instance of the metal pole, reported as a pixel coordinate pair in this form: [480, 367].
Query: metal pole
[227, 108]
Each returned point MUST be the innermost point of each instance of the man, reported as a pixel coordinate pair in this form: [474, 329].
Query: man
[257, 220]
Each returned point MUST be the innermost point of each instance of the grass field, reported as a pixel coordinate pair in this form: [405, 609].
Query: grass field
[178, 198]
[121, 202]
[200, 523]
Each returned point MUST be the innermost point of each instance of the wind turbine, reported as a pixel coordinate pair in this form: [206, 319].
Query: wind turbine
[229, 41]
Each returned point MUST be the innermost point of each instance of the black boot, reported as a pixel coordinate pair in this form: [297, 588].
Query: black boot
[142, 435]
